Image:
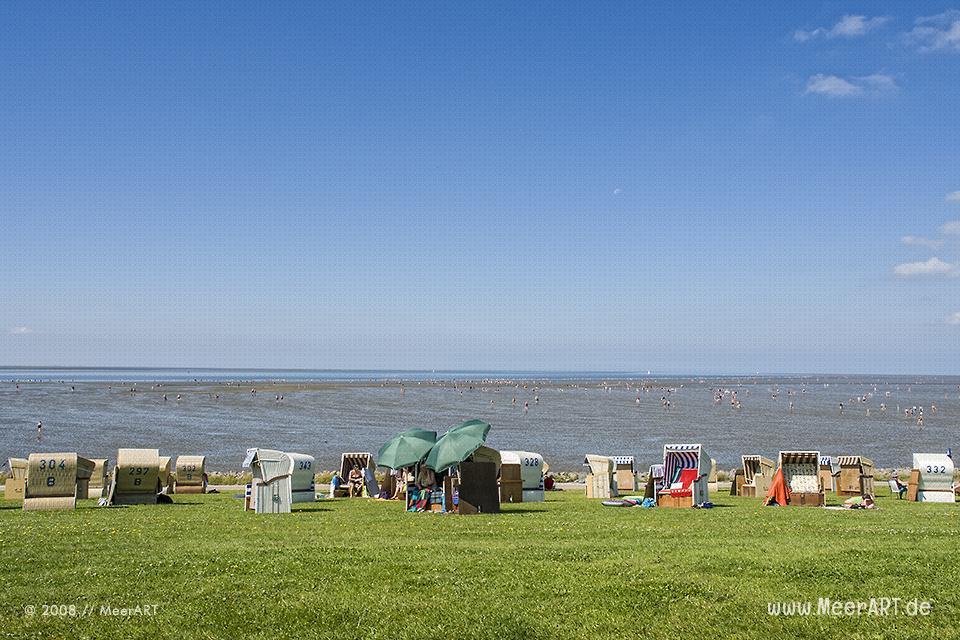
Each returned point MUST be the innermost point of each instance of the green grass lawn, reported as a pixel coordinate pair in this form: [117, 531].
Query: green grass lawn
[566, 568]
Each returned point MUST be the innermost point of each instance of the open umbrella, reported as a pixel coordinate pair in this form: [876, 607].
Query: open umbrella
[479, 427]
[457, 444]
[406, 449]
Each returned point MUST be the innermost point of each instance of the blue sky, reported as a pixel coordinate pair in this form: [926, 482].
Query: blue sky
[630, 186]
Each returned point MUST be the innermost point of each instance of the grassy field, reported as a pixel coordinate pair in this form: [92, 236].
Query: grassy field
[566, 568]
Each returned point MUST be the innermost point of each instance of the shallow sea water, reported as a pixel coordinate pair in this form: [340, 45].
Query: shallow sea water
[323, 414]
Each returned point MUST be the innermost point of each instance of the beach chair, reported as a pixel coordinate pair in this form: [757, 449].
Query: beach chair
[736, 483]
[99, 482]
[52, 480]
[801, 473]
[602, 480]
[855, 477]
[136, 478]
[17, 480]
[303, 485]
[625, 470]
[682, 462]
[271, 488]
[757, 475]
[829, 473]
[365, 461]
[190, 475]
[475, 488]
[511, 478]
[166, 475]
[654, 481]
[934, 474]
[521, 476]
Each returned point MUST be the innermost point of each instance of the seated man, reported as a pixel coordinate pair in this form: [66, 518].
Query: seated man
[895, 483]
[355, 482]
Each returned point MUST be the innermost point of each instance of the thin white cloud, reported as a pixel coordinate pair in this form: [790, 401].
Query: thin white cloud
[953, 197]
[831, 86]
[954, 319]
[853, 26]
[932, 267]
[952, 228]
[846, 27]
[837, 87]
[20, 331]
[936, 33]
[878, 82]
[916, 241]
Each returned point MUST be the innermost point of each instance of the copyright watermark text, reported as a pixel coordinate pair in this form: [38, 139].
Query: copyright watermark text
[88, 610]
[874, 607]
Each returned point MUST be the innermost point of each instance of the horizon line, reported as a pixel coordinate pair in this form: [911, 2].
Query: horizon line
[616, 372]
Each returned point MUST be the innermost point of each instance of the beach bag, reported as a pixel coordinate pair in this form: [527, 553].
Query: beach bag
[424, 503]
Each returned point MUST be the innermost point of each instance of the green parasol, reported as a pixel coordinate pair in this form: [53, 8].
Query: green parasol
[457, 444]
[406, 449]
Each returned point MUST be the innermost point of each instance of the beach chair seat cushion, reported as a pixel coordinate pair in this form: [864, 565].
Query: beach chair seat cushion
[685, 488]
[803, 478]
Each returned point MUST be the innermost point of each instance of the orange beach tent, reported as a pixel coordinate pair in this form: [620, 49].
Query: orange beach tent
[779, 492]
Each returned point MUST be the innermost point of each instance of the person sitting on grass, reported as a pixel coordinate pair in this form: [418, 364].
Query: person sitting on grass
[355, 482]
